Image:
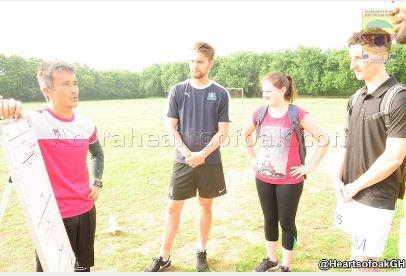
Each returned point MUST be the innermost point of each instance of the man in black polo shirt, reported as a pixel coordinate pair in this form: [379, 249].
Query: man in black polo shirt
[197, 118]
[400, 11]
[369, 174]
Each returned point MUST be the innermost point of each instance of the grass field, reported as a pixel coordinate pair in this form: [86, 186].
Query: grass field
[137, 171]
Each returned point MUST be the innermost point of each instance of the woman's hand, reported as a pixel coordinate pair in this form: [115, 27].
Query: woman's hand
[299, 171]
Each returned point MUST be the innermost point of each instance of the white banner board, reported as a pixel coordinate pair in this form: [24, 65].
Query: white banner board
[27, 169]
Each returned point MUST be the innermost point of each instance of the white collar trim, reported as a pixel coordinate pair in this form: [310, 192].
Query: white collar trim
[200, 87]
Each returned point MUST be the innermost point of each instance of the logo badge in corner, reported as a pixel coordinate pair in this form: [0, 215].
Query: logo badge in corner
[57, 133]
[211, 96]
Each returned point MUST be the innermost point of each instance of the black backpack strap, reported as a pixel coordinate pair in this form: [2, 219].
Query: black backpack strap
[353, 101]
[295, 126]
[387, 101]
[260, 117]
[384, 109]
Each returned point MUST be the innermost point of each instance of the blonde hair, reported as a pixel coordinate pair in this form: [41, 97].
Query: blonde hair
[204, 48]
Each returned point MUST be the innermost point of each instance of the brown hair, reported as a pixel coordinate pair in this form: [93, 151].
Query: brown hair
[204, 48]
[280, 80]
[375, 37]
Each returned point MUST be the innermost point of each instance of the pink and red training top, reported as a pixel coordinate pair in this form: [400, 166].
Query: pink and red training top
[64, 146]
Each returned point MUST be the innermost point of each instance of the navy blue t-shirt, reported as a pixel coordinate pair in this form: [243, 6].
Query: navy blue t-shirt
[199, 110]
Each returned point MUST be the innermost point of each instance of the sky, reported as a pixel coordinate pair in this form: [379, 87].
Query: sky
[131, 35]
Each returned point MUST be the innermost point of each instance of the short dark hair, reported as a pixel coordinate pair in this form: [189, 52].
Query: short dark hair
[375, 38]
[47, 68]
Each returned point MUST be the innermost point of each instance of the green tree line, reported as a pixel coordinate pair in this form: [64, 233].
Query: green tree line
[316, 72]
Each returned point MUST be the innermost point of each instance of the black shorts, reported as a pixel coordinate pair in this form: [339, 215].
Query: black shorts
[81, 232]
[207, 179]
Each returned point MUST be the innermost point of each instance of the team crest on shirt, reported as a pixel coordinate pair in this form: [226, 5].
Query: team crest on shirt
[211, 96]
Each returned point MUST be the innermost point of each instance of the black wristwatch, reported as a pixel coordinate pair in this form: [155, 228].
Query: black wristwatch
[98, 184]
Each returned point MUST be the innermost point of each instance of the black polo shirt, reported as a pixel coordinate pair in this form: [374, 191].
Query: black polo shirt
[366, 141]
